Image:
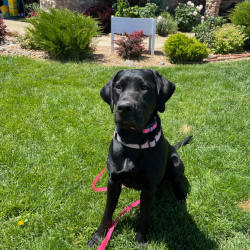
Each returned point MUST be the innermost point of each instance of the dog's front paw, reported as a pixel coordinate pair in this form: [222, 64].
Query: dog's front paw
[180, 194]
[95, 239]
[141, 240]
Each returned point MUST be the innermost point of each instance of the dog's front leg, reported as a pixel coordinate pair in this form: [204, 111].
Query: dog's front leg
[145, 209]
[113, 193]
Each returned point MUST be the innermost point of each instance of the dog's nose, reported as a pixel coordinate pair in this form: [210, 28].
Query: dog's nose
[124, 107]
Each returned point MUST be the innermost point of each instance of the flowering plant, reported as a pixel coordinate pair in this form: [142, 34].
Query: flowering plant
[188, 16]
[131, 46]
[31, 10]
[31, 14]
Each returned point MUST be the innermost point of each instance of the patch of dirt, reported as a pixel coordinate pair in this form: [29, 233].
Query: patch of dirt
[12, 47]
[104, 56]
[185, 128]
[245, 205]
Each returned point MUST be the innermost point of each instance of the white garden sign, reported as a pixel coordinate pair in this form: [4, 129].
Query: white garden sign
[120, 25]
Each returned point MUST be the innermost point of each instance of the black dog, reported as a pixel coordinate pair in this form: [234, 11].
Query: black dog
[139, 155]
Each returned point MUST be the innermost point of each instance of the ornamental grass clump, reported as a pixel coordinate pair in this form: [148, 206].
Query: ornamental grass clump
[131, 46]
[63, 34]
[166, 24]
[180, 48]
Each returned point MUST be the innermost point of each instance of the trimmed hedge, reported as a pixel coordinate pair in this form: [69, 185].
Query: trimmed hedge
[180, 48]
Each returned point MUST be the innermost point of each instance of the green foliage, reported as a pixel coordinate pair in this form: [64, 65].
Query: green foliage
[241, 16]
[204, 31]
[161, 4]
[31, 8]
[148, 11]
[125, 10]
[26, 41]
[228, 39]
[180, 48]
[187, 16]
[64, 34]
[166, 24]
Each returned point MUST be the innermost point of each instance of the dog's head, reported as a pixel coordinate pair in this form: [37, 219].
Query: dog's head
[138, 95]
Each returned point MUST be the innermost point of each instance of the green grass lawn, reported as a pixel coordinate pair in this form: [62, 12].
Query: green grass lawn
[54, 137]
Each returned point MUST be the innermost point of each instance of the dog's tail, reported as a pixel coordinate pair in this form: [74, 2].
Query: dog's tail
[183, 142]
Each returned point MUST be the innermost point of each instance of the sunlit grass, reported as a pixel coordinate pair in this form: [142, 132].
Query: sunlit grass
[54, 138]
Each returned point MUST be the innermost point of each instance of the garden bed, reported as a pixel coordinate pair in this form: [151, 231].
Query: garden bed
[103, 55]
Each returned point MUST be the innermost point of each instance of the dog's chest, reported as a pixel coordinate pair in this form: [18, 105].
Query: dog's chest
[130, 173]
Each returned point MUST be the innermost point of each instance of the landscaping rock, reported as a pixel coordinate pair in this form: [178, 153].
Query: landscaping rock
[2, 49]
[211, 56]
[129, 63]
[25, 53]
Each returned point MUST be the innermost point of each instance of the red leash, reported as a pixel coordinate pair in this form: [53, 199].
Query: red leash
[111, 229]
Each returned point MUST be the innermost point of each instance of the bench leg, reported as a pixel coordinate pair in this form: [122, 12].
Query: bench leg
[112, 42]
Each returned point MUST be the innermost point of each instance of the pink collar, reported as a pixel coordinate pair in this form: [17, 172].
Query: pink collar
[149, 129]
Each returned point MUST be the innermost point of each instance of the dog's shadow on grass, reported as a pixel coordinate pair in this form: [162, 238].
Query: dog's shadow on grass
[172, 225]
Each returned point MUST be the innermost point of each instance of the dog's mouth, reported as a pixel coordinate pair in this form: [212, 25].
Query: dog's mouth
[128, 124]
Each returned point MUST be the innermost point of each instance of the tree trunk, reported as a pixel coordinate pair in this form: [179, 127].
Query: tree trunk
[212, 8]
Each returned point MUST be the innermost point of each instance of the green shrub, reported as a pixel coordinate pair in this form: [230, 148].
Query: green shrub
[64, 34]
[26, 41]
[125, 10]
[166, 24]
[228, 39]
[204, 31]
[187, 16]
[180, 48]
[241, 16]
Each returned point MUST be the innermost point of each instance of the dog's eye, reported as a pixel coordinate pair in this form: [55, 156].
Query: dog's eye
[143, 86]
[118, 86]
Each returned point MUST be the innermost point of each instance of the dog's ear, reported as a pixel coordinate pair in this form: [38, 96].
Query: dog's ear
[165, 89]
[107, 91]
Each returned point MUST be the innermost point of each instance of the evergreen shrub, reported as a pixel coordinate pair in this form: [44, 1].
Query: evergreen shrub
[63, 34]
[241, 16]
[180, 48]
